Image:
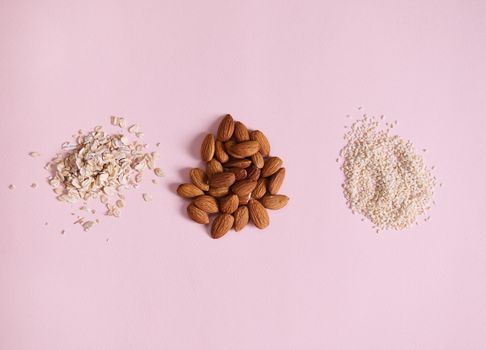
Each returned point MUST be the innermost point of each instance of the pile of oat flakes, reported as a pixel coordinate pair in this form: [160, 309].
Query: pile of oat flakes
[101, 165]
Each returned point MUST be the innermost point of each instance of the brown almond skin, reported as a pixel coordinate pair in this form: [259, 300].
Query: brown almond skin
[274, 202]
[229, 204]
[221, 225]
[276, 181]
[218, 192]
[199, 179]
[258, 160]
[207, 203]
[242, 217]
[213, 167]
[243, 187]
[241, 132]
[189, 191]
[228, 144]
[207, 148]
[240, 173]
[244, 199]
[226, 128]
[198, 215]
[244, 149]
[238, 163]
[253, 173]
[220, 153]
[271, 166]
[257, 135]
[225, 179]
[260, 189]
[258, 214]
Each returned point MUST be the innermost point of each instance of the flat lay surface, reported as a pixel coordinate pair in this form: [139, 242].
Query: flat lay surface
[317, 277]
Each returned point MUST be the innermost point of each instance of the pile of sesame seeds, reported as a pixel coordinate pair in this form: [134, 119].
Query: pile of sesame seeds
[386, 180]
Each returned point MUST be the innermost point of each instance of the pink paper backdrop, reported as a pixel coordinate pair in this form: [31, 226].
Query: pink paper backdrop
[318, 278]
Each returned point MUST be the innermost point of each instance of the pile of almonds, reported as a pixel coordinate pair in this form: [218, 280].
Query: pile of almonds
[240, 183]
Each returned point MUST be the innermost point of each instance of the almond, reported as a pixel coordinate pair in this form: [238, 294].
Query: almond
[240, 173]
[220, 153]
[221, 225]
[229, 204]
[226, 128]
[274, 202]
[258, 214]
[258, 160]
[252, 173]
[207, 148]
[241, 132]
[198, 215]
[189, 191]
[213, 167]
[260, 189]
[222, 179]
[243, 187]
[257, 135]
[244, 149]
[276, 181]
[244, 199]
[238, 163]
[228, 144]
[241, 218]
[271, 166]
[218, 191]
[207, 203]
[199, 178]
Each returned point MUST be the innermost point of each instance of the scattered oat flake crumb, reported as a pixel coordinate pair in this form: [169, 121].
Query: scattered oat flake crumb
[133, 129]
[114, 120]
[87, 225]
[120, 203]
[159, 172]
[147, 197]
[11, 187]
[79, 220]
[33, 185]
[154, 181]
[34, 154]
[121, 122]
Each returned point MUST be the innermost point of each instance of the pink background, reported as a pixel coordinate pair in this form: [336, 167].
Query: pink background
[317, 278]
